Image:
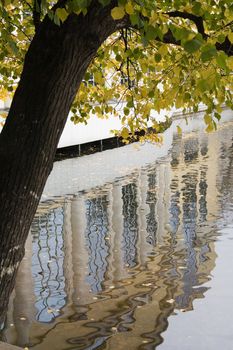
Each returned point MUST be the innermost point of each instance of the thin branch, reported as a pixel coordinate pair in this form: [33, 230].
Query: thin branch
[27, 3]
[18, 27]
[229, 24]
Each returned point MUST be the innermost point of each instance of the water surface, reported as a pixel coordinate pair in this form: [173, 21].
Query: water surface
[141, 262]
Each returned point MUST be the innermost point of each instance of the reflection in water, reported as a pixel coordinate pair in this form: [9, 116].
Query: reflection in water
[47, 262]
[96, 233]
[151, 202]
[130, 230]
[109, 266]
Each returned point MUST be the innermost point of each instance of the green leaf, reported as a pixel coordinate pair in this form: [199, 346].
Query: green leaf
[130, 104]
[221, 38]
[208, 52]
[217, 116]
[56, 19]
[126, 111]
[187, 96]
[221, 60]
[151, 93]
[135, 19]
[157, 57]
[197, 8]
[13, 47]
[104, 2]
[193, 45]
[180, 33]
[151, 33]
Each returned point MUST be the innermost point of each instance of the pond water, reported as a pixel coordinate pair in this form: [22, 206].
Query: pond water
[140, 262]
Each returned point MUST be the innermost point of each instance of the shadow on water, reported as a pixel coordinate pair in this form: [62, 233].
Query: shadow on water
[104, 269]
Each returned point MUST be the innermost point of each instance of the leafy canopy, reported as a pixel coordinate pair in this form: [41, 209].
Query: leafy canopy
[169, 54]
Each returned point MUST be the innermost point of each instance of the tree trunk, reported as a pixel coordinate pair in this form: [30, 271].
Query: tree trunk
[53, 70]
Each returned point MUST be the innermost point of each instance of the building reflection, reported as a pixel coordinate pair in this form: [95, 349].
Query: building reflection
[111, 264]
[97, 245]
[130, 224]
[47, 263]
[151, 201]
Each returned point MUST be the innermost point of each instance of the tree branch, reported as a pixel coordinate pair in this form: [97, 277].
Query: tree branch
[195, 19]
[226, 46]
[36, 14]
[27, 3]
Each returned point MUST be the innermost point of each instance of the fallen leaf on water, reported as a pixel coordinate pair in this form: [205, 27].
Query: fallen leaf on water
[147, 284]
[50, 311]
[170, 301]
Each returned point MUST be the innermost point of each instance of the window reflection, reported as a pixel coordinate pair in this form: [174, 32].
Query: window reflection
[130, 230]
[175, 206]
[191, 147]
[151, 202]
[47, 264]
[96, 234]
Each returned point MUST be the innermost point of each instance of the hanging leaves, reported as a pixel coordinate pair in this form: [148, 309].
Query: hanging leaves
[171, 54]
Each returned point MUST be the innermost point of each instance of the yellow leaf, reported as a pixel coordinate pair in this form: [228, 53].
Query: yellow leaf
[144, 12]
[163, 50]
[125, 133]
[77, 12]
[21, 35]
[153, 18]
[62, 14]
[230, 62]
[219, 108]
[228, 15]
[188, 8]
[129, 8]
[210, 128]
[118, 12]
[98, 77]
[179, 130]
[230, 37]
[208, 119]
[144, 92]
[176, 71]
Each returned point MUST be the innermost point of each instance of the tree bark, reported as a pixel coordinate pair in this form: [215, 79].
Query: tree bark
[53, 70]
